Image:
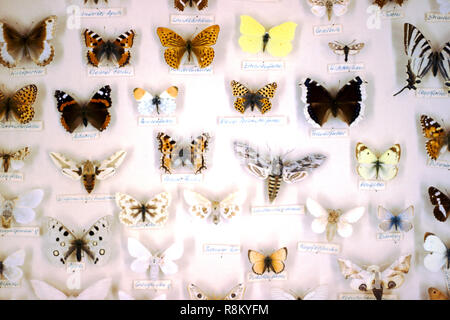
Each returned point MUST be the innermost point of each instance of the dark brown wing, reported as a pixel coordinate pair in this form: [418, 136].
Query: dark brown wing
[349, 101]
[441, 202]
[13, 48]
[71, 112]
[318, 102]
[3, 106]
[97, 109]
[40, 50]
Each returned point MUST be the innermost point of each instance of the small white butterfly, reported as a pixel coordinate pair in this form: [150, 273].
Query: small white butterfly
[20, 208]
[319, 293]
[203, 208]
[165, 103]
[9, 268]
[98, 291]
[145, 261]
[438, 256]
[125, 296]
[398, 222]
[333, 220]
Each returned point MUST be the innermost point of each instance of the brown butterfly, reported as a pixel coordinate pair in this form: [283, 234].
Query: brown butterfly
[436, 294]
[441, 202]
[437, 135]
[20, 104]
[13, 160]
[273, 262]
[382, 3]
[181, 4]
[248, 99]
[200, 46]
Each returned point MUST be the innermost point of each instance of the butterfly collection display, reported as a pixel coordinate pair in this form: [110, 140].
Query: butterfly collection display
[441, 203]
[88, 171]
[372, 279]
[439, 139]
[98, 291]
[372, 167]
[329, 7]
[135, 213]
[236, 293]
[182, 4]
[10, 266]
[436, 294]
[95, 112]
[345, 50]
[333, 220]
[20, 208]
[61, 243]
[276, 169]
[273, 262]
[422, 58]
[438, 256]
[246, 99]
[277, 41]
[19, 105]
[34, 44]
[319, 293]
[400, 222]
[13, 160]
[382, 3]
[165, 103]
[200, 46]
[174, 155]
[320, 104]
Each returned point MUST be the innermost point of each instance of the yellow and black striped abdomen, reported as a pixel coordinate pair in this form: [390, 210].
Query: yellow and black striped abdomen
[274, 182]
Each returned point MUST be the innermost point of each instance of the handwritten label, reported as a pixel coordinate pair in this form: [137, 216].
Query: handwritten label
[85, 197]
[191, 69]
[29, 72]
[391, 236]
[181, 178]
[145, 226]
[156, 121]
[392, 14]
[191, 19]
[152, 284]
[82, 136]
[441, 164]
[110, 71]
[431, 93]
[345, 67]
[9, 284]
[327, 29]
[291, 210]
[15, 126]
[102, 12]
[437, 17]
[255, 120]
[11, 176]
[325, 248]
[252, 277]
[20, 232]
[73, 267]
[365, 296]
[329, 133]
[372, 185]
[221, 249]
[262, 65]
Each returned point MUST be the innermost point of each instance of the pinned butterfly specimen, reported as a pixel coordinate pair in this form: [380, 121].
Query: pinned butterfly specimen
[319, 293]
[333, 220]
[438, 137]
[94, 112]
[135, 213]
[181, 4]
[20, 208]
[95, 1]
[174, 155]
[277, 41]
[119, 49]
[343, 49]
[373, 279]
[370, 166]
[164, 103]
[347, 104]
[147, 262]
[395, 222]
[276, 169]
[35, 44]
[246, 99]
[98, 291]
[382, 3]
[200, 46]
[93, 245]
[10, 267]
[422, 58]
[438, 256]
[273, 262]
[224, 210]
[444, 6]
[441, 204]
[20, 105]
[436, 294]
[236, 293]
[13, 160]
[329, 7]
[88, 171]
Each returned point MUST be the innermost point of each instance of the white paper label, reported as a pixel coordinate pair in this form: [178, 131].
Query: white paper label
[28, 72]
[441, 164]
[191, 19]
[20, 232]
[152, 284]
[146, 121]
[392, 14]
[390, 236]
[252, 277]
[191, 69]
[329, 133]
[431, 93]
[85, 197]
[15, 126]
[437, 17]
[9, 284]
[146, 226]
[255, 120]
[289, 209]
[73, 267]
[372, 185]
[83, 136]
[312, 247]
[110, 71]
[262, 65]
[365, 296]
[220, 249]
[327, 29]
[11, 176]
[102, 12]
[181, 178]
[345, 67]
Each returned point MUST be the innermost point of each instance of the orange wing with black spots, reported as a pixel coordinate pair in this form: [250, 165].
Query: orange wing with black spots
[166, 147]
[436, 134]
[20, 105]
[248, 99]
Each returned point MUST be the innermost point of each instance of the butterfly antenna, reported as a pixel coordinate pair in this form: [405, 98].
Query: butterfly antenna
[405, 87]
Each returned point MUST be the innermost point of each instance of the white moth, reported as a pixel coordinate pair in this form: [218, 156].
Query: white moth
[438, 256]
[10, 267]
[20, 208]
[98, 291]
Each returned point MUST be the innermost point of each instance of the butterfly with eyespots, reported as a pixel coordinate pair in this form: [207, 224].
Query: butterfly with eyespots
[236, 293]
[246, 99]
[19, 105]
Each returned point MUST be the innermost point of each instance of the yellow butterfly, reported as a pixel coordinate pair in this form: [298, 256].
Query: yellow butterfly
[255, 38]
[274, 261]
[384, 167]
[200, 46]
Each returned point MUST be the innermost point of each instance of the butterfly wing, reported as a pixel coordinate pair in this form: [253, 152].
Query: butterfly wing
[281, 36]
[386, 218]
[267, 92]
[58, 240]
[361, 279]
[95, 47]
[122, 46]
[37, 43]
[140, 252]
[97, 240]
[157, 208]
[437, 256]
[11, 46]
[389, 163]
[436, 294]
[199, 205]
[14, 160]
[145, 101]
[175, 44]
[108, 167]
[432, 130]
[298, 170]
[318, 7]
[441, 202]
[405, 219]
[97, 109]
[22, 103]
[168, 102]
[181, 4]
[366, 162]
[130, 213]
[236, 293]
[318, 102]
[240, 91]
[11, 265]
[23, 210]
[277, 259]
[280, 294]
[199, 146]
[196, 293]
[231, 205]
[257, 261]
[68, 167]
[394, 276]
[340, 7]
[44, 291]
[201, 45]
[319, 293]
[344, 227]
[71, 112]
[320, 223]
[166, 147]
[98, 291]
[173, 253]
[349, 101]
[252, 31]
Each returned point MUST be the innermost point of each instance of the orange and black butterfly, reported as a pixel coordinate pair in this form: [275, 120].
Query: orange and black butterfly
[181, 4]
[246, 99]
[119, 49]
[200, 46]
[273, 262]
[20, 105]
[95, 112]
[438, 137]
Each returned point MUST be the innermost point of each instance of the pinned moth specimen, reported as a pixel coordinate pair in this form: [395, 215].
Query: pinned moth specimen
[174, 155]
[62, 243]
[153, 263]
[133, 212]
[98, 291]
[182, 4]
[20, 208]
[373, 167]
[329, 7]
[276, 169]
[333, 220]
[10, 267]
[246, 99]
[273, 262]
[395, 222]
[88, 171]
[202, 208]
[236, 293]
[441, 203]
[13, 160]
[438, 256]
[319, 293]
[371, 278]
[343, 49]
[436, 294]
[439, 138]
[164, 103]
